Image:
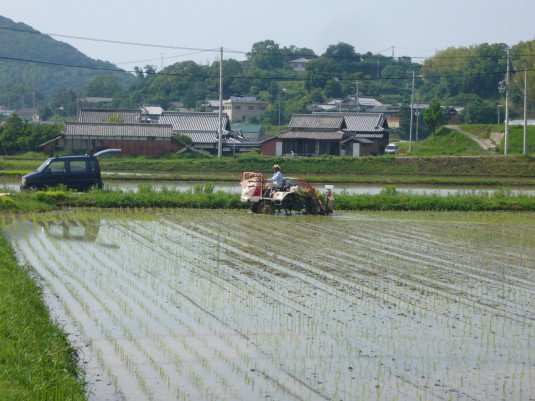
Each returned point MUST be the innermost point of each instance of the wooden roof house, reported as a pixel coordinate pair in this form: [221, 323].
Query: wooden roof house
[357, 134]
[126, 116]
[134, 139]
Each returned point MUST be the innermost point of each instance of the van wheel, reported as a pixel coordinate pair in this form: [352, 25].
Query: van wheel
[33, 187]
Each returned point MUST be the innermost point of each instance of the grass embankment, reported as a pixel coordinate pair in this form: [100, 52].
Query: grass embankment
[203, 197]
[36, 360]
[445, 142]
[445, 170]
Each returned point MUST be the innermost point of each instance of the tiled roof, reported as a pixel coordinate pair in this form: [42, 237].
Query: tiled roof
[202, 137]
[365, 122]
[386, 108]
[358, 139]
[118, 129]
[317, 121]
[93, 99]
[322, 135]
[104, 116]
[185, 123]
[370, 135]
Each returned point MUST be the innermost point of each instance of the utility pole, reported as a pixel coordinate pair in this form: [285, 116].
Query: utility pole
[417, 118]
[506, 143]
[412, 103]
[525, 112]
[279, 113]
[357, 87]
[220, 136]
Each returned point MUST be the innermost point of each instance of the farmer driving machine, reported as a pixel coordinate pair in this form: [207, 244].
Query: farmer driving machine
[295, 195]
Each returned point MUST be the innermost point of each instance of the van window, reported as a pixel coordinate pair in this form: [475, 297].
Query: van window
[93, 166]
[78, 166]
[57, 167]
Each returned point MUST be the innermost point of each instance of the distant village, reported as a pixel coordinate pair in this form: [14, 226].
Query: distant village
[342, 127]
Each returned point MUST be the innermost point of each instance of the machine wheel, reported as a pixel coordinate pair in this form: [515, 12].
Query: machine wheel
[254, 208]
[266, 207]
[311, 207]
[292, 202]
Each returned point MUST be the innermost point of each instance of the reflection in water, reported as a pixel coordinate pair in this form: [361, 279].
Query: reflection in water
[74, 230]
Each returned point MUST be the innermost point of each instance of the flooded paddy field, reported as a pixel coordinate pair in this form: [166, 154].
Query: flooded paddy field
[226, 305]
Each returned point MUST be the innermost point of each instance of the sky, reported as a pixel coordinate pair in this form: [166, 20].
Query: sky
[196, 30]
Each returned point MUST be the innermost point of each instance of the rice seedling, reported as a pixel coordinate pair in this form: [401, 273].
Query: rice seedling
[207, 304]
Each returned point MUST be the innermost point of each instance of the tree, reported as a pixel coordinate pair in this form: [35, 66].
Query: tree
[266, 55]
[182, 140]
[12, 130]
[333, 88]
[103, 86]
[479, 112]
[18, 136]
[433, 116]
[319, 71]
[64, 103]
[344, 56]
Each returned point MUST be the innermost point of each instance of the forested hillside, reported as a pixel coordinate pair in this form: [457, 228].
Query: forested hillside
[31, 62]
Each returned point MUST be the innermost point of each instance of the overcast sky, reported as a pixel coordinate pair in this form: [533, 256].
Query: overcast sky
[412, 28]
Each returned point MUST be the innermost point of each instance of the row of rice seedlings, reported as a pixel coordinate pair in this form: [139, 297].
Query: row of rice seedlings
[412, 260]
[199, 317]
[414, 242]
[79, 287]
[37, 257]
[377, 345]
[200, 358]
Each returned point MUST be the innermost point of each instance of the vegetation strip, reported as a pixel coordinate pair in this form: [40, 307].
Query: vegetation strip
[203, 197]
[36, 360]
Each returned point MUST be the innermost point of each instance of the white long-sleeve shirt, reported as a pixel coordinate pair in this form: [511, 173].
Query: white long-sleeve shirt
[277, 178]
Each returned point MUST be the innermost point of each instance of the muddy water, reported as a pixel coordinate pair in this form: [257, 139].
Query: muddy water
[211, 305]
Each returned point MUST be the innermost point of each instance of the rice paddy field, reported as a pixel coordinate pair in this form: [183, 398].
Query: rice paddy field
[179, 304]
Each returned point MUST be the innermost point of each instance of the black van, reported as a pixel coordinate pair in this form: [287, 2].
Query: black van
[77, 172]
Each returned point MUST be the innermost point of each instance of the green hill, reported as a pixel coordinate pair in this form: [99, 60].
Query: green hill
[53, 67]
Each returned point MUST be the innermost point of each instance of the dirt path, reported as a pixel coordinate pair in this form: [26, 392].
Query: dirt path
[485, 144]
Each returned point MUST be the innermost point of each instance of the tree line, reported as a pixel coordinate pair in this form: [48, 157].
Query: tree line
[467, 77]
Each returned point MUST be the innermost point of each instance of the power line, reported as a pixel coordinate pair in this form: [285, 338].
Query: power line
[325, 75]
[216, 50]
